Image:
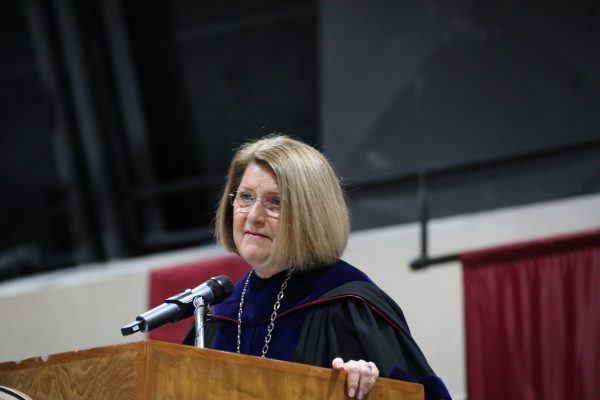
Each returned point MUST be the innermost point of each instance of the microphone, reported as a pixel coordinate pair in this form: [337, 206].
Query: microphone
[181, 306]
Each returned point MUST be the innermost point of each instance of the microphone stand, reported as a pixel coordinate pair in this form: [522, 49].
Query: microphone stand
[199, 315]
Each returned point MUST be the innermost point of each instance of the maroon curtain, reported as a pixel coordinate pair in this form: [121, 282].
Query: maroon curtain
[532, 315]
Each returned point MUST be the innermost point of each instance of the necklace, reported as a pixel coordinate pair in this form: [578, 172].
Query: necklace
[273, 314]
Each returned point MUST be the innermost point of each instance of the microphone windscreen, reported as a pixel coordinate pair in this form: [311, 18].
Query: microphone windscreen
[222, 289]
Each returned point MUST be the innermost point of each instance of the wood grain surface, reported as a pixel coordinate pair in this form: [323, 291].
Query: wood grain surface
[157, 370]
[104, 373]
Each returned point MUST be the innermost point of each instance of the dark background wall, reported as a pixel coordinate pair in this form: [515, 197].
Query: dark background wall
[119, 117]
[498, 104]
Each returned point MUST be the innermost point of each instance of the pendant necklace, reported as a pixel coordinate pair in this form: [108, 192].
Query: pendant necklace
[273, 315]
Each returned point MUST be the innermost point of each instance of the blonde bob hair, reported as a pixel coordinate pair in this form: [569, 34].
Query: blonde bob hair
[313, 222]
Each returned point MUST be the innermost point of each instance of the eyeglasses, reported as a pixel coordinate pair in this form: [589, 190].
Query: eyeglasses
[245, 200]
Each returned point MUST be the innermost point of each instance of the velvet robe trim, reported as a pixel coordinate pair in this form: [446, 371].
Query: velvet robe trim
[303, 288]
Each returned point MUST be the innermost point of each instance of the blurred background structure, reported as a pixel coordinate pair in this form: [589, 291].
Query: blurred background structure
[118, 120]
[119, 117]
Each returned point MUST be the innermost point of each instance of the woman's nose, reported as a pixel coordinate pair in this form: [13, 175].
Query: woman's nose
[257, 211]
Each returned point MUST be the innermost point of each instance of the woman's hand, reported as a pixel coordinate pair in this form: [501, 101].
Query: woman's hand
[361, 375]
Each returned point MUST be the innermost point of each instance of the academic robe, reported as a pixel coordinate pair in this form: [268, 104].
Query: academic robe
[332, 311]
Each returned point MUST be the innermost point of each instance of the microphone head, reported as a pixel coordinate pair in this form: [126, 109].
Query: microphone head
[221, 287]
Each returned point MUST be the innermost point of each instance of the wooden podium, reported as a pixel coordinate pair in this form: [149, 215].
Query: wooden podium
[159, 370]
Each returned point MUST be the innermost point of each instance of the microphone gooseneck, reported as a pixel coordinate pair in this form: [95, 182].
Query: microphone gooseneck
[180, 306]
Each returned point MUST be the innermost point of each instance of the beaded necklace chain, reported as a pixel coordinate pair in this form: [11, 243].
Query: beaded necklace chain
[273, 315]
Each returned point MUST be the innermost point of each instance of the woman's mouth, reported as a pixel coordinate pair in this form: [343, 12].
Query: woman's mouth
[256, 234]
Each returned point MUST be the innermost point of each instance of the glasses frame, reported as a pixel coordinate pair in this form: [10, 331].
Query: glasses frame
[270, 212]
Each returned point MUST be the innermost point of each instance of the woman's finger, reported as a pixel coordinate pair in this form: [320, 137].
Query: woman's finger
[368, 376]
[353, 369]
[361, 376]
[337, 363]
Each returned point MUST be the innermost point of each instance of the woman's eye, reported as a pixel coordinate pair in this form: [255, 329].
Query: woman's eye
[244, 196]
[275, 201]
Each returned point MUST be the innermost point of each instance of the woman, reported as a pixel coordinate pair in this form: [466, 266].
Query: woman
[284, 212]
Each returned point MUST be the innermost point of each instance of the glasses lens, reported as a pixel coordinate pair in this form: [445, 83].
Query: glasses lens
[272, 204]
[244, 200]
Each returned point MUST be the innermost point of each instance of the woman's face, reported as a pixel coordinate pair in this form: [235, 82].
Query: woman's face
[254, 231]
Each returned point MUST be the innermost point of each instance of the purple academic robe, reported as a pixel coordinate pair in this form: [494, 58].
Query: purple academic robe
[332, 311]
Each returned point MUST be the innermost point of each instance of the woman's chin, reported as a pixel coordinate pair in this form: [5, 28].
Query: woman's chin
[256, 260]
[264, 270]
